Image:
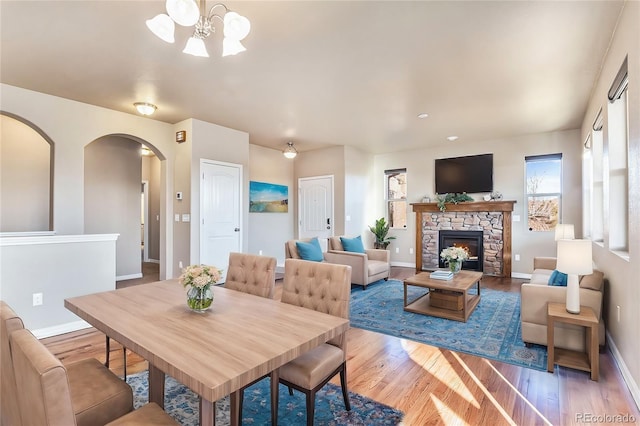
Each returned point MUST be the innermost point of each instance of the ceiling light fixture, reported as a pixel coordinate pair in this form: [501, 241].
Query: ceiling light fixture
[145, 108]
[187, 13]
[452, 138]
[423, 115]
[290, 151]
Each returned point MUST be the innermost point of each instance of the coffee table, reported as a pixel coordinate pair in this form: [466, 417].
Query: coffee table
[461, 283]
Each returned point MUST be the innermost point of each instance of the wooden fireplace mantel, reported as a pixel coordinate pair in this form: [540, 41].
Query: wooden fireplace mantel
[506, 207]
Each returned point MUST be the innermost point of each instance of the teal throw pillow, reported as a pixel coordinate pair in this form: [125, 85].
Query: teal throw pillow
[558, 279]
[353, 245]
[310, 250]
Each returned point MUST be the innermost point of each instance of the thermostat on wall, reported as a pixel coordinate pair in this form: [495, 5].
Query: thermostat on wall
[178, 195]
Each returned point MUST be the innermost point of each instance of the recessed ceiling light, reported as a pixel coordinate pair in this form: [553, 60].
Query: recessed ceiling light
[423, 115]
[452, 138]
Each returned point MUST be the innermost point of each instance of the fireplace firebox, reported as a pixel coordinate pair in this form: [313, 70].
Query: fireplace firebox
[470, 240]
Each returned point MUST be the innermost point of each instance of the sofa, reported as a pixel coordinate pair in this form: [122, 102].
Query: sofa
[535, 296]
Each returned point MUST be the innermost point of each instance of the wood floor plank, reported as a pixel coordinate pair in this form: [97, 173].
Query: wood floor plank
[435, 386]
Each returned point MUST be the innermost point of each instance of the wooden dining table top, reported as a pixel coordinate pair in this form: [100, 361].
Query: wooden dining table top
[240, 339]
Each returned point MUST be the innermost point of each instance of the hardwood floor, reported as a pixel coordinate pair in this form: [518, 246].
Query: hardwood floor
[436, 386]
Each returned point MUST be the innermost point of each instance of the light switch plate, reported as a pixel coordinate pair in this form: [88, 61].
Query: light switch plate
[186, 217]
[177, 217]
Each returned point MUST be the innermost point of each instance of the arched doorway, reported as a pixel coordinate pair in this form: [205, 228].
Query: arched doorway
[115, 167]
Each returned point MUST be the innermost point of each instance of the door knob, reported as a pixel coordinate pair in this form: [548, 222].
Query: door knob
[236, 230]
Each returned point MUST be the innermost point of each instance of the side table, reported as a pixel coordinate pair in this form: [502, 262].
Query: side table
[556, 312]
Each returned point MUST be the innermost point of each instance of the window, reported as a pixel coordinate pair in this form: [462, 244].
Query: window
[597, 179]
[616, 154]
[396, 197]
[587, 187]
[544, 191]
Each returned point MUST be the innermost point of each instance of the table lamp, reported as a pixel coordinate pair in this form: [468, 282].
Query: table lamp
[574, 258]
[564, 231]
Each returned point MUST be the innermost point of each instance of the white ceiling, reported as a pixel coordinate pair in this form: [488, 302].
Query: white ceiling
[324, 73]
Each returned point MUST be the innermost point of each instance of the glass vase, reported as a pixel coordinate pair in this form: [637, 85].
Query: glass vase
[455, 266]
[199, 299]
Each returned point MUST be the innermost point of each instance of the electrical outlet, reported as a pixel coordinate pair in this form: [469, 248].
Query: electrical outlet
[411, 250]
[259, 252]
[397, 249]
[180, 264]
[517, 257]
[37, 299]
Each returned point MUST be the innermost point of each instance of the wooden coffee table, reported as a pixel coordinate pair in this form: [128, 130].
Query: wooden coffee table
[461, 283]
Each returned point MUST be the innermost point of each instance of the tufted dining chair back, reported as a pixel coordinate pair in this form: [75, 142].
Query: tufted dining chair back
[9, 411]
[323, 287]
[253, 274]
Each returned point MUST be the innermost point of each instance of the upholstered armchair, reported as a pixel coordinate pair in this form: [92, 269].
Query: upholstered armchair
[367, 267]
[291, 249]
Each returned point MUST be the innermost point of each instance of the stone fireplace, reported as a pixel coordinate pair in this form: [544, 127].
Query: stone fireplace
[490, 219]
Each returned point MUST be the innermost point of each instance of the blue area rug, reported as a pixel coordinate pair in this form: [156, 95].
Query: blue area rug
[492, 331]
[182, 404]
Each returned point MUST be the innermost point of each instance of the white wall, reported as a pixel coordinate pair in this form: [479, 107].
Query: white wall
[269, 231]
[71, 125]
[622, 273]
[59, 267]
[359, 191]
[509, 178]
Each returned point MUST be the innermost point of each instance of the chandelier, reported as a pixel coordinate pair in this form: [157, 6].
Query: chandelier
[187, 13]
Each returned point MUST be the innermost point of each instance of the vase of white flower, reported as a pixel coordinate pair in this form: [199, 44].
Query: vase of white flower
[199, 278]
[454, 257]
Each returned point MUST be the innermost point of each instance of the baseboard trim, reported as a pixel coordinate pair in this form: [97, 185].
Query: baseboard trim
[56, 330]
[129, 277]
[404, 264]
[626, 374]
[520, 275]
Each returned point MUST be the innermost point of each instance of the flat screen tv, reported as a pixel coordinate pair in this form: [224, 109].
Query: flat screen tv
[469, 174]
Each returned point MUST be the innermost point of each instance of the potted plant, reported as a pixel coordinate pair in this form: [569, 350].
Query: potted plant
[380, 230]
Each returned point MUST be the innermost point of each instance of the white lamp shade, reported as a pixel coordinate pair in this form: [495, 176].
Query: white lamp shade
[184, 12]
[195, 46]
[564, 231]
[231, 47]
[163, 27]
[236, 27]
[574, 257]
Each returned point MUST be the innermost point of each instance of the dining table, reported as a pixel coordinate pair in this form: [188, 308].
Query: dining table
[240, 339]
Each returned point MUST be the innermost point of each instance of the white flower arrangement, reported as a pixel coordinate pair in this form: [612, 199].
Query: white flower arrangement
[199, 276]
[455, 254]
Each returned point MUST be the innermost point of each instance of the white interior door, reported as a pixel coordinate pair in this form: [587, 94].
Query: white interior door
[220, 213]
[315, 208]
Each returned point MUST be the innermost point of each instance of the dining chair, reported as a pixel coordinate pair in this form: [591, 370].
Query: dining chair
[250, 273]
[253, 274]
[323, 287]
[98, 396]
[9, 411]
[44, 389]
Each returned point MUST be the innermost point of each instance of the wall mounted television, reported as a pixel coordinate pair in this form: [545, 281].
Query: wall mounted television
[469, 174]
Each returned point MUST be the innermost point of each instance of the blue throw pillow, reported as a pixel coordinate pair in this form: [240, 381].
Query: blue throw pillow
[558, 279]
[353, 245]
[310, 250]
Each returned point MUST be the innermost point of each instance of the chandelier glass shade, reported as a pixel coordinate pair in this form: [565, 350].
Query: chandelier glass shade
[187, 13]
[290, 151]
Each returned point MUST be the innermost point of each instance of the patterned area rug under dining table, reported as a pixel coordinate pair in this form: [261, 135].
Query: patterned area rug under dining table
[182, 404]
